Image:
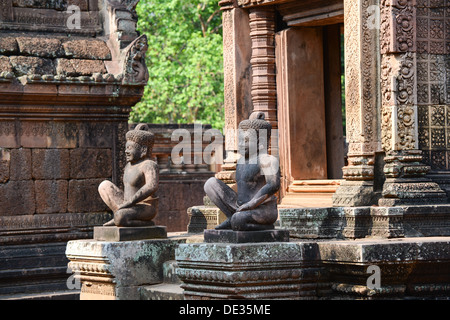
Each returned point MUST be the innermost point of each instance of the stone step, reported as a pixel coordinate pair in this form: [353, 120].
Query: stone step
[163, 291]
[56, 295]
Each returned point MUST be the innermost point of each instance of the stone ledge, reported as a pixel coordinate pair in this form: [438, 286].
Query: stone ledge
[230, 236]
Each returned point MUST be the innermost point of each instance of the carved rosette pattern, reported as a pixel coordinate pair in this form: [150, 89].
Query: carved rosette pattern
[397, 28]
[262, 33]
[398, 80]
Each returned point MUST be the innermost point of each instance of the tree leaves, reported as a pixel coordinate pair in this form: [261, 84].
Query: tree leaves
[185, 62]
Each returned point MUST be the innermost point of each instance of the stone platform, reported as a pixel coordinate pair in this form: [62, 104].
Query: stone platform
[373, 221]
[109, 270]
[114, 233]
[407, 268]
[230, 236]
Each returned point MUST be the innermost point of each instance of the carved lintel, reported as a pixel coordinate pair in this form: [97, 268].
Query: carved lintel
[227, 4]
[135, 69]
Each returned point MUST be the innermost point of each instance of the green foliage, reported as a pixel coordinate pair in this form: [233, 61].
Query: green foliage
[185, 62]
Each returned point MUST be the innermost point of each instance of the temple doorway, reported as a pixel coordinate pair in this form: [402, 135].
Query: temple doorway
[311, 111]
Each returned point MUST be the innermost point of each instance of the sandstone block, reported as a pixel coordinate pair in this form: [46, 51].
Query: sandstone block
[31, 65]
[87, 49]
[90, 163]
[20, 164]
[84, 196]
[78, 67]
[51, 196]
[5, 64]
[8, 45]
[40, 47]
[130, 264]
[17, 198]
[5, 159]
[50, 164]
[41, 4]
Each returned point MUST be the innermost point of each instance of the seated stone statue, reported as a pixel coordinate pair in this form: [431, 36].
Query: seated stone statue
[135, 206]
[254, 206]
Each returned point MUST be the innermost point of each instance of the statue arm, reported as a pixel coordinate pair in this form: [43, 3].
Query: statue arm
[271, 172]
[149, 188]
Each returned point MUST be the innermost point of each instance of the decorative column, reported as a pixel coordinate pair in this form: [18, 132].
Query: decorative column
[406, 182]
[264, 89]
[237, 81]
[237, 52]
[361, 93]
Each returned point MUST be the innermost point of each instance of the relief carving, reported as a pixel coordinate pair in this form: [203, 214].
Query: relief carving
[398, 26]
[135, 70]
[398, 96]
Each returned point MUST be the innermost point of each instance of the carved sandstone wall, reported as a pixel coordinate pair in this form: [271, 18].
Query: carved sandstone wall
[68, 80]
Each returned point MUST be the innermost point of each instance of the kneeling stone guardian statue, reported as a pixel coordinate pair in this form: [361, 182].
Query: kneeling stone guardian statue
[136, 205]
[254, 206]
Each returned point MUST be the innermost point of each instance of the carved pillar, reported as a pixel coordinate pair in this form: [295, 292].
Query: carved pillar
[404, 170]
[237, 81]
[264, 89]
[361, 92]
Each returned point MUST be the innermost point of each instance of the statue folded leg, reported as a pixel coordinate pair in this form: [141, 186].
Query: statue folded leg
[223, 197]
[136, 216]
[261, 218]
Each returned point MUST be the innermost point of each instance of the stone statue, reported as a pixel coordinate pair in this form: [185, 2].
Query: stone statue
[135, 206]
[254, 206]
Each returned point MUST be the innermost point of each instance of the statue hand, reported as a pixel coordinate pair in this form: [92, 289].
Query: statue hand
[125, 205]
[245, 207]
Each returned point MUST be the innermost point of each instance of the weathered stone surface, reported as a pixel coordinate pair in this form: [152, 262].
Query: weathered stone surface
[78, 67]
[248, 271]
[5, 159]
[5, 64]
[50, 164]
[361, 222]
[115, 234]
[51, 196]
[41, 4]
[39, 47]
[83, 196]
[8, 45]
[120, 267]
[31, 65]
[409, 267]
[230, 236]
[20, 164]
[87, 49]
[17, 198]
[313, 223]
[90, 163]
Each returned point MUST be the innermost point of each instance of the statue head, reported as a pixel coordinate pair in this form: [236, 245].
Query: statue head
[139, 143]
[254, 134]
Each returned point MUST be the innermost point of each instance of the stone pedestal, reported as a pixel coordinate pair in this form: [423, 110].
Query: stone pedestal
[117, 270]
[279, 270]
[129, 233]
